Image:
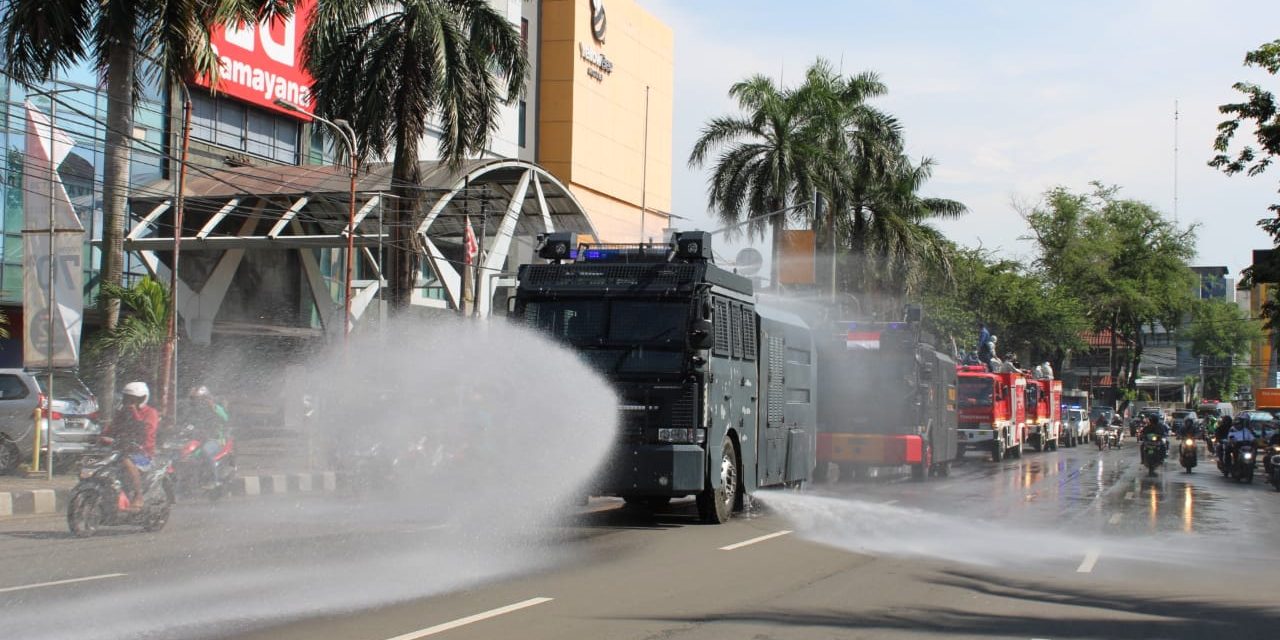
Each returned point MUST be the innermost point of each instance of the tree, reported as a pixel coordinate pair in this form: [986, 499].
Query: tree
[1029, 314]
[44, 36]
[771, 159]
[1121, 258]
[1220, 333]
[135, 343]
[1260, 109]
[389, 67]
[892, 245]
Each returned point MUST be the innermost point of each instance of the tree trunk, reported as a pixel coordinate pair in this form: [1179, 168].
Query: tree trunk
[121, 70]
[775, 267]
[402, 257]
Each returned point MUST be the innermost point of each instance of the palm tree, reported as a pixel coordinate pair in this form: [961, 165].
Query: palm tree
[770, 159]
[860, 145]
[389, 66]
[892, 244]
[44, 36]
[137, 340]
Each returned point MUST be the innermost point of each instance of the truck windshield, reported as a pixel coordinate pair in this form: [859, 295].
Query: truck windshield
[628, 322]
[976, 393]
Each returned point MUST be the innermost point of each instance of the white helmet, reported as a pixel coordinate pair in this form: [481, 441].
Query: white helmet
[137, 390]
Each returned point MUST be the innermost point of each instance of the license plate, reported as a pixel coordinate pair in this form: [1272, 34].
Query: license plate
[74, 424]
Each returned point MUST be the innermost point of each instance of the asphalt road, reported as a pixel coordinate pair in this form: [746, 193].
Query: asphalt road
[1069, 544]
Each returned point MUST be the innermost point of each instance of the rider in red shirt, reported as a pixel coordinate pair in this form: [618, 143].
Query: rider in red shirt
[135, 424]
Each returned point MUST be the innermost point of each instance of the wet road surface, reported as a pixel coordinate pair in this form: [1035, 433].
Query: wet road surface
[1070, 544]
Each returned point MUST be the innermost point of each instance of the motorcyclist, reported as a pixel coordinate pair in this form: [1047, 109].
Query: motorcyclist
[1156, 426]
[1220, 434]
[1240, 433]
[134, 431]
[210, 419]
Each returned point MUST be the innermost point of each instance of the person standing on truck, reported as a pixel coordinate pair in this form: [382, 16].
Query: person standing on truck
[987, 351]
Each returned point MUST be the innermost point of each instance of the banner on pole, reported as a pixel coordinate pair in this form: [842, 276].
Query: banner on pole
[46, 149]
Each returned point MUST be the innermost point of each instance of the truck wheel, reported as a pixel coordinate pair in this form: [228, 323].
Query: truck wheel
[1040, 444]
[715, 506]
[997, 450]
[1016, 452]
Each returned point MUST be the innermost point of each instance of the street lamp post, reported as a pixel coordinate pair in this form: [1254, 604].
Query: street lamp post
[348, 137]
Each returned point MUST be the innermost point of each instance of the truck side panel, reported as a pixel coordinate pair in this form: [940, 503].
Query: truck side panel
[788, 410]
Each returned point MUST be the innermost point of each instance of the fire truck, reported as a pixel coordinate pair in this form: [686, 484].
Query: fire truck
[1044, 414]
[886, 398]
[716, 395]
[993, 415]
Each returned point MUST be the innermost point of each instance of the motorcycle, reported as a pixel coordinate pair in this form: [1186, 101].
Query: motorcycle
[1152, 452]
[1187, 454]
[202, 463]
[1238, 462]
[101, 499]
[1273, 462]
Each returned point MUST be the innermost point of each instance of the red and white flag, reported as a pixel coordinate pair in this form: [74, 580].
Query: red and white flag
[862, 340]
[470, 247]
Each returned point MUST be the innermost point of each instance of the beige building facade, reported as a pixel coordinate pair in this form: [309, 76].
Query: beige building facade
[605, 101]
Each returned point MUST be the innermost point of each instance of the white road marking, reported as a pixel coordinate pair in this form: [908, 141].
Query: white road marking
[889, 503]
[1115, 518]
[58, 582]
[1128, 496]
[460, 622]
[1090, 559]
[744, 543]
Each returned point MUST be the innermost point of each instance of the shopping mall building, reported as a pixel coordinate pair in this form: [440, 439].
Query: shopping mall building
[587, 148]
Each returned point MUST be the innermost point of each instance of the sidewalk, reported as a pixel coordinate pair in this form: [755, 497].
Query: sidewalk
[269, 462]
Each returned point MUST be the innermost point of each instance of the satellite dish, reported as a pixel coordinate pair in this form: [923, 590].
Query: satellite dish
[748, 262]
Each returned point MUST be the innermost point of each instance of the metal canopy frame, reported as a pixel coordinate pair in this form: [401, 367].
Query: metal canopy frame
[305, 208]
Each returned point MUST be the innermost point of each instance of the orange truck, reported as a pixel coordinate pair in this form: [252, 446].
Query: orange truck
[1267, 399]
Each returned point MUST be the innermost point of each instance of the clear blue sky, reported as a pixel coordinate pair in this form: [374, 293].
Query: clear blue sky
[1009, 98]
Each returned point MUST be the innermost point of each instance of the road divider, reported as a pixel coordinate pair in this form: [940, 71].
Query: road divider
[55, 583]
[752, 541]
[462, 622]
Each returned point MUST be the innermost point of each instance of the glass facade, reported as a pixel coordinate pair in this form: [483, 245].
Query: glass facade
[79, 110]
[240, 127]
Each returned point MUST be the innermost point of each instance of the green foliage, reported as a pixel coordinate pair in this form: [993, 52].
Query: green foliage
[1221, 333]
[1027, 313]
[135, 343]
[1260, 110]
[448, 61]
[823, 137]
[1121, 259]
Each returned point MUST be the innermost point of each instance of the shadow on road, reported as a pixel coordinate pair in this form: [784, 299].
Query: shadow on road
[1162, 617]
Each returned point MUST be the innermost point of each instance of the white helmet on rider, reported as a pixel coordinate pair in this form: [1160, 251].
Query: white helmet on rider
[137, 390]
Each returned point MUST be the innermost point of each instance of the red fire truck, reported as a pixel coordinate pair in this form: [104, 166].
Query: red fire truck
[993, 414]
[1044, 414]
[886, 398]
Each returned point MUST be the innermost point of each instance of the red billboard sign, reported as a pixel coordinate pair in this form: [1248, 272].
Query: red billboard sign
[262, 63]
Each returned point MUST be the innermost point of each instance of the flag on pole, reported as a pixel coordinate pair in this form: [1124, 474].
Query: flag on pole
[44, 196]
[471, 247]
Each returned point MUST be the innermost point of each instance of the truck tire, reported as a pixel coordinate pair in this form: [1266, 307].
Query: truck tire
[1041, 444]
[715, 506]
[1016, 452]
[997, 450]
